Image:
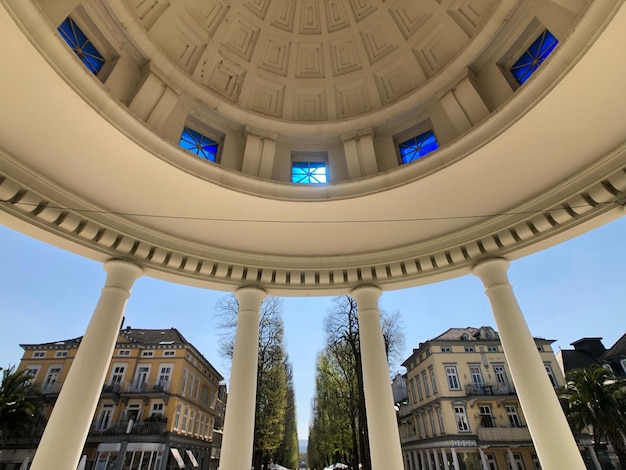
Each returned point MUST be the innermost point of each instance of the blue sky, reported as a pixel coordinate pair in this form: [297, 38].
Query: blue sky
[569, 291]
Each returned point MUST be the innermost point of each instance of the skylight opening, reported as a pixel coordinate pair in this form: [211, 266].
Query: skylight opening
[198, 144]
[418, 147]
[309, 173]
[533, 57]
[81, 45]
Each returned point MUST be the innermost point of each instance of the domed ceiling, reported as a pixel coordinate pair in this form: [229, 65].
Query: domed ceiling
[313, 60]
[91, 161]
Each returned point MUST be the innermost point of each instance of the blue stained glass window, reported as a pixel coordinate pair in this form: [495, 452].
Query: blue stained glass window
[533, 57]
[309, 173]
[418, 146]
[198, 144]
[81, 45]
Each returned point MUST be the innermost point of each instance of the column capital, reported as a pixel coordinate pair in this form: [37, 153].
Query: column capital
[366, 297]
[250, 298]
[492, 271]
[121, 274]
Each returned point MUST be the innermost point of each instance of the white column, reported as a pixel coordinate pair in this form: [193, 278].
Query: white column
[455, 459]
[444, 454]
[430, 460]
[436, 459]
[553, 439]
[238, 437]
[483, 459]
[511, 459]
[384, 439]
[416, 463]
[65, 434]
[594, 458]
[422, 461]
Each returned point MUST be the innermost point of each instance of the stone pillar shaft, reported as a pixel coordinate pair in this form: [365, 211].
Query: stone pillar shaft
[65, 434]
[384, 439]
[552, 437]
[238, 438]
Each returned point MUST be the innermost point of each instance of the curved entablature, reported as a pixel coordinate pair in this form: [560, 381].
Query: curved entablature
[91, 163]
[524, 231]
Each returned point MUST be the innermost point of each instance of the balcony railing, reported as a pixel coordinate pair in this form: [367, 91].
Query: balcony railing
[489, 389]
[486, 434]
[130, 427]
[51, 388]
[145, 387]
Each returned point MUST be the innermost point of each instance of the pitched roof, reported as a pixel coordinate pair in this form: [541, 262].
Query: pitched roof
[617, 350]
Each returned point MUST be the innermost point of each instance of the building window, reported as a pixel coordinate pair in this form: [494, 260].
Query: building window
[469, 348]
[432, 422]
[117, 375]
[309, 172]
[492, 348]
[157, 409]
[147, 353]
[476, 375]
[51, 382]
[32, 371]
[461, 418]
[198, 144]
[419, 388]
[183, 427]
[213, 400]
[486, 417]
[501, 378]
[425, 424]
[196, 387]
[533, 57]
[81, 45]
[491, 462]
[123, 352]
[511, 412]
[551, 376]
[446, 349]
[425, 380]
[183, 382]
[179, 408]
[412, 390]
[165, 375]
[623, 364]
[169, 353]
[192, 378]
[105, 417]
[141, 378]
[418, 146]
[453, 378]
[519, 464]
[192, 418]
[419, 426]
[38, 354]
[60, 354]
[440, 419]
[433, 379]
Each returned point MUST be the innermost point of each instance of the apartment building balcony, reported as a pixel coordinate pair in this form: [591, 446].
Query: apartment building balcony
[498, 435]
[489, 389]
[51, 390]
[145, 390]
[145, 427]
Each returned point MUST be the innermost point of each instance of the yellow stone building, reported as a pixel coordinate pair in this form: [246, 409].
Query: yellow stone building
[161, 406]
[461, 410]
